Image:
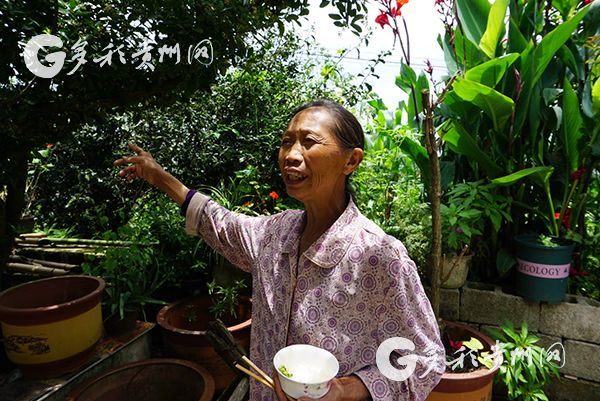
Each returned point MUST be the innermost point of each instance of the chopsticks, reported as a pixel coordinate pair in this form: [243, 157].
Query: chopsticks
[259, 375]
[235, 356]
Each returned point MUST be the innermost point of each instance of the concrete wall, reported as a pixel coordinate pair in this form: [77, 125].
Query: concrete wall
[575, 324]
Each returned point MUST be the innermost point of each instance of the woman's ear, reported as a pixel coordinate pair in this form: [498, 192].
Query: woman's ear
[354, 159]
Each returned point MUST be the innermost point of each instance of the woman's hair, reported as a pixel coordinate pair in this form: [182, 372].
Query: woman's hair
[344, 126]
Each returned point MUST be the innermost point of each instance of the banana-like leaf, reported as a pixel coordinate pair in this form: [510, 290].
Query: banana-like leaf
[496, 105]
[460, 141]
[539, 175]
[536, 62]
[572, 123]
[473, 15]
[494, 29]
[419, 155]
[491, 72]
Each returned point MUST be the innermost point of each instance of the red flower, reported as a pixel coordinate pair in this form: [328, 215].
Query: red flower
[382, 19]
[400, 3]
[577, 174]
[573, 272]
[49, 145]
[247, 204]
[274, 195]
[586, 2]
[396, 12]
[455, 344]
[556, 215]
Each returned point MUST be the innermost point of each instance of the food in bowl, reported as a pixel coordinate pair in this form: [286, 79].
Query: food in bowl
[285, 372]
[305, 370]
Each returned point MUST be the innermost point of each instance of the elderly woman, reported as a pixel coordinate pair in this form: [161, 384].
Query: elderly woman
[326, 275]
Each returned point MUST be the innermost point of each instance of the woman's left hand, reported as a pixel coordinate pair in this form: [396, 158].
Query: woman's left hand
[349, 388]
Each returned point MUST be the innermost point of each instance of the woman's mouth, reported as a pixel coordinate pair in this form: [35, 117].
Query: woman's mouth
[294, 177]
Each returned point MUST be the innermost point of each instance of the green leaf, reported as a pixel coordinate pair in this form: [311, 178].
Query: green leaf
[504, 261]
[473, 344]
[491, 72]
[496, 105]
[596, 97]
[535, 63]
[473, 15]
[460, 141]
[572, 123]
[539, 175]
[494, 29]
[407, 80]
[419, 155]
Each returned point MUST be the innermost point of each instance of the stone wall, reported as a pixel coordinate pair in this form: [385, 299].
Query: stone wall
[575, 324]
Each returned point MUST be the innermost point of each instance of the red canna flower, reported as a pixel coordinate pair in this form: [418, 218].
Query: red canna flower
[396, 12]
[586, 2]
[49, 145]
[400, 3]
[382, 19]
[274, 195]
[247, 204]
[455, 344]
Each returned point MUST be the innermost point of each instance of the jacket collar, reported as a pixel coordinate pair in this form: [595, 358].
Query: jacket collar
[331, 246]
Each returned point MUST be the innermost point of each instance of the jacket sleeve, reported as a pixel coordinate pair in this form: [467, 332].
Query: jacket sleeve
[409, 374]
[233, 235]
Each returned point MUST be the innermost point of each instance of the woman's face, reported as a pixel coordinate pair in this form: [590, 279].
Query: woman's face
[313, 163]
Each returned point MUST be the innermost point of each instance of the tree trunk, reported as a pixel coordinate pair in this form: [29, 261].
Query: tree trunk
[435, 194]
[11, 209]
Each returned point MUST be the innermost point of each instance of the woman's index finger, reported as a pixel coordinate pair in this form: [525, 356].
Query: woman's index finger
[135, 148]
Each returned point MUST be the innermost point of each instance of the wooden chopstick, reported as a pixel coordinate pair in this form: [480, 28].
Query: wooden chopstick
[254, 376]
[267, 381]
[257, 369]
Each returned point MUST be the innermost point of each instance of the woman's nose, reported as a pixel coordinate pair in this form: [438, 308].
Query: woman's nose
[294, 154]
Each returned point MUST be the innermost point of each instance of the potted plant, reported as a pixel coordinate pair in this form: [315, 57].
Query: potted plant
[464, 217]
[185, 322]
[132, 277]
[527, 367]
[543, 260]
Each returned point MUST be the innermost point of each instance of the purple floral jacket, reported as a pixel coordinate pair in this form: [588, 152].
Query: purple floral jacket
[352, 289]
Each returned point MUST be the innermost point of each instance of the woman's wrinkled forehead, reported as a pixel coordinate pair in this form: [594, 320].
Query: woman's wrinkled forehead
[316, 119]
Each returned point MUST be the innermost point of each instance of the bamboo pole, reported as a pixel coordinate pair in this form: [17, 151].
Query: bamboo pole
[47, 263]
[35, 269]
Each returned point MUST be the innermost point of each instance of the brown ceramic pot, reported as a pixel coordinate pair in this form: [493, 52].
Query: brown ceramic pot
[472, 386]
[51, 325]
[184, 326]
[149, 380]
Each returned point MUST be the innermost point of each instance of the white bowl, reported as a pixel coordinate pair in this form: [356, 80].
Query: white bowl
[311, 367]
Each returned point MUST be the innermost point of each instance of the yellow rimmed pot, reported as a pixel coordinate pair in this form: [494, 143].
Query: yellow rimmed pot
[50, 326]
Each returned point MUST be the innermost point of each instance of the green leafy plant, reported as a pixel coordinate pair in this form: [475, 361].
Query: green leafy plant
[132, 275]
[548, 241]
[225, 298]
[527, 367]
[470, 208]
